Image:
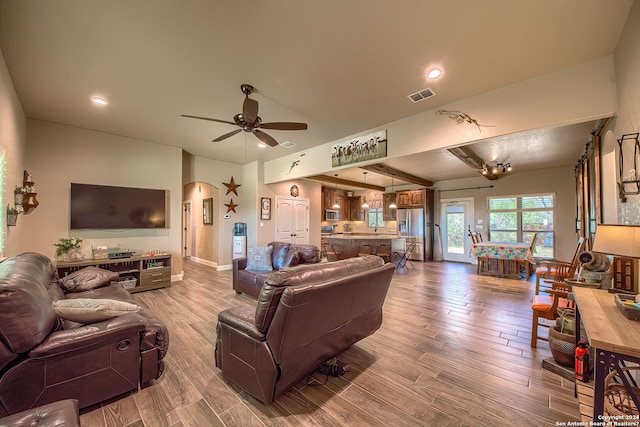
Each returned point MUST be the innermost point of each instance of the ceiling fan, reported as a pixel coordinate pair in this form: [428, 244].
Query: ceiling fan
[249, 121]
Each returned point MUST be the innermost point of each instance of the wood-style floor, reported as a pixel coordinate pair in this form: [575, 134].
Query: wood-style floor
[453, 350]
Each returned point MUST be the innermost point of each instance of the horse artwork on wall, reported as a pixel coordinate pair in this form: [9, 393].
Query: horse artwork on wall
[360, 149]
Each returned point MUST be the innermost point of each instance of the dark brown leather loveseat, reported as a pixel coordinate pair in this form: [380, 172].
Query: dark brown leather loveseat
[283, 255]
[45, 358]
[304, 316]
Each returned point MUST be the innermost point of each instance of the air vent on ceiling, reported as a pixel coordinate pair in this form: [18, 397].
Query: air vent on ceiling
[287, 144]
[423, 94]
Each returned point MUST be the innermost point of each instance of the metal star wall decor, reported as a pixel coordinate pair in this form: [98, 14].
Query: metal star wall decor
[232, 187]
[231, 207]
[460, 117]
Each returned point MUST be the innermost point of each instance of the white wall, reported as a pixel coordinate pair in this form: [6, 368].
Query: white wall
[627, 66]
[12, 139]
[58, 155]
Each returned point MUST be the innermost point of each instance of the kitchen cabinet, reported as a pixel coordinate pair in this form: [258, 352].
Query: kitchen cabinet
[411, 198]
[388, 214]
[356, 213]
[329, 197]
[344, 206]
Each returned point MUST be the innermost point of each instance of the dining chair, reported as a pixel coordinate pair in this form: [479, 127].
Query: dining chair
[331, 252]
[548, 307]
[527, 265]
[474, 236]
[383, 250]
[556, 270]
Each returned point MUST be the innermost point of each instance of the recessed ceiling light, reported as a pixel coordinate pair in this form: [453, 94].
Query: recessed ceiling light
[99, 101]
[434, 73]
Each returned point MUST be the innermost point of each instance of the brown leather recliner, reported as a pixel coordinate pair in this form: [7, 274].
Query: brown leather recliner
[304, 316]
[44, 358]
[283, 255]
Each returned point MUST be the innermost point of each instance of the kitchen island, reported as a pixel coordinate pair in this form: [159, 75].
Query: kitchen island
[348, 244]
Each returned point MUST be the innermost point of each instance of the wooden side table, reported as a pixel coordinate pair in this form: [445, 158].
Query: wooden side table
[614, 338]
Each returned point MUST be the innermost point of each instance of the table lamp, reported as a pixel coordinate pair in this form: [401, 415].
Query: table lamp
[620, 241]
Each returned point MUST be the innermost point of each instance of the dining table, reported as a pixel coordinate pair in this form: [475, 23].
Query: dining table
[508, 259]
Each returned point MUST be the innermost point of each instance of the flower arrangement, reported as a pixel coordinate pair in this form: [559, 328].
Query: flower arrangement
[23, 190]
[64, 246]
[17, 210]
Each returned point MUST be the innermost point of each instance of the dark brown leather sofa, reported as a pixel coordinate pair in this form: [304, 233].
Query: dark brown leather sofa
[44, 358]
[63, 413]
[283, 255]
[304, 316]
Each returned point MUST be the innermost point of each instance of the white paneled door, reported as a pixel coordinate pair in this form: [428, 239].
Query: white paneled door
[292, 219]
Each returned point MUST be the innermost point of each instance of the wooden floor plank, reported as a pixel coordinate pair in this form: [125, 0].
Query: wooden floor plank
[453, 350]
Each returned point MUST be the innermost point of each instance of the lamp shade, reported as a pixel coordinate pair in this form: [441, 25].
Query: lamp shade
[619, 240]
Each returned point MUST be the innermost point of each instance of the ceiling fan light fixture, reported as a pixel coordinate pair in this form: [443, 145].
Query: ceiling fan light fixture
[262, 145]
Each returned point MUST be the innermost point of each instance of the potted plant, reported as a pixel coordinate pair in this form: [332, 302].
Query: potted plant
[12, 214]
[67, 248]
[18, 194]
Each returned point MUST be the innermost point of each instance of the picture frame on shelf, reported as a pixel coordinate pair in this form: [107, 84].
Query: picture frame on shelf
[207, 211]
[265, 208]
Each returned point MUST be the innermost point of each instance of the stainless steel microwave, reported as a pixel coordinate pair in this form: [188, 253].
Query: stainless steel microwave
[332, 215]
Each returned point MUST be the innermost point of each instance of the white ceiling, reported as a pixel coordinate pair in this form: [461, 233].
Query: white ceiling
[343, 67]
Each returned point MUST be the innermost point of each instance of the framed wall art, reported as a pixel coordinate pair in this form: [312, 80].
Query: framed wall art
[265, 208]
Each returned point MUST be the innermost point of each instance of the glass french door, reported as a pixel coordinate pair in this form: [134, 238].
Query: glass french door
[457, 217]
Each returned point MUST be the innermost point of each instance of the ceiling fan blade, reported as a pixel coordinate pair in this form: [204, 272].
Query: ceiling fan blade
[284, 126]
[227, 135]
[265, 138]
[250, 109]
[207, 118]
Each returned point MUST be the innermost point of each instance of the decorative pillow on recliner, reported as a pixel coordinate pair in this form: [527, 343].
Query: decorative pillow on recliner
[259, 259]
[292, 259]
[86, 279]
[91, 310]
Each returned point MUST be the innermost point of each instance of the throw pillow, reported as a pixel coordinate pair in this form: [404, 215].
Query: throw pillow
[259, 259]
[86, 279]
[90, 310]
[292, 259]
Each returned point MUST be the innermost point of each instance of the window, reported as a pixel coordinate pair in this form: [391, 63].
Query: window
[517, 218]
[375, 218]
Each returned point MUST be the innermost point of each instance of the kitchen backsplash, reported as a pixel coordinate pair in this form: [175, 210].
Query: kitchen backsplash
[360, 226]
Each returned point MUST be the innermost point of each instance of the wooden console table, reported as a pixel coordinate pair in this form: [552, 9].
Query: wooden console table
[151, 272]
[614, 338]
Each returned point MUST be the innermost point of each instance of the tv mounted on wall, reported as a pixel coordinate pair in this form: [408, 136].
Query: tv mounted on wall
[108, 207]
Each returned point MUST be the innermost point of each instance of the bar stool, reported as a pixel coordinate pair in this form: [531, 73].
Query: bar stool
[364, 249]
[383, 250]
[331, 253]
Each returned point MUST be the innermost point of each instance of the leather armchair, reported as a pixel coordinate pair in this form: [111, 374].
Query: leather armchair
[304, 316]
[45, 359]
[283, 255]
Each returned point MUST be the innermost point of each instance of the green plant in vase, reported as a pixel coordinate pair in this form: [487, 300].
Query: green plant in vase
[67, 248]
[18, 194]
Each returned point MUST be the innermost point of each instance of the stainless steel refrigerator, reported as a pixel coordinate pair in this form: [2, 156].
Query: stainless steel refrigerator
[411, 223]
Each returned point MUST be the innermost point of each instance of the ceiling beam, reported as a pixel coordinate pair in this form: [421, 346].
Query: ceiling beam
[395, 173]
[471, 159]
[339, 181]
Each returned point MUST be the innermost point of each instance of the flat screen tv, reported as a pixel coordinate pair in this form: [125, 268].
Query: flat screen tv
[107, 207]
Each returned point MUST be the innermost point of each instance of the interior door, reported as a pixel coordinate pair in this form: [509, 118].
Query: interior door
[457, 217]
[292, 219]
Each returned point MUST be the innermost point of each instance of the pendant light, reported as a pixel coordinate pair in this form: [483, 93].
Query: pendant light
[365, 205]
[393, 204]
[336, 205]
